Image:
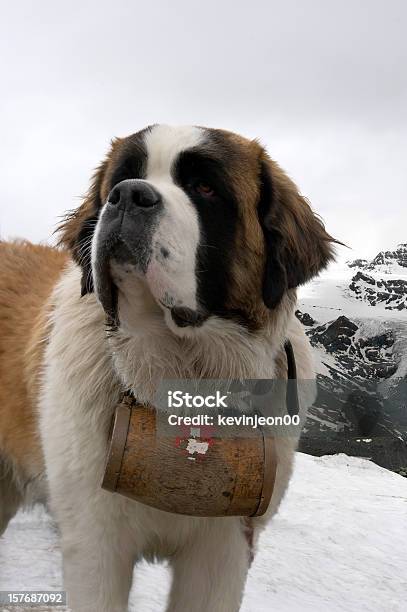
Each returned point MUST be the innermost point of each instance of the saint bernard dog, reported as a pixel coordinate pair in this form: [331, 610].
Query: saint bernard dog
[181, 262]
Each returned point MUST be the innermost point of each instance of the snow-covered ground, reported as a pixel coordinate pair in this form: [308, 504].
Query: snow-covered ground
[338, 544]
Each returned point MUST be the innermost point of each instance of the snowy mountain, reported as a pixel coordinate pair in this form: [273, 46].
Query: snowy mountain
[383, 280]
[385, 261]
[356, 319]
[337, 543]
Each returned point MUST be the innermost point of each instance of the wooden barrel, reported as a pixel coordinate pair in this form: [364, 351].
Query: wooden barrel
[194, 475]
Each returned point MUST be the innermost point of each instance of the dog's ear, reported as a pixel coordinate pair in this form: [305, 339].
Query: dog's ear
[77, 228]
[297, 245]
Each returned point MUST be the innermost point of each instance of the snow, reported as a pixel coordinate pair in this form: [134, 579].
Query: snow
[322, 359]
[328, 296]
[338, 543]
[390, 270]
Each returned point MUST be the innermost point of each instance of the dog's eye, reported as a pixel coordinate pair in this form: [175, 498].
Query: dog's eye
[204, 189]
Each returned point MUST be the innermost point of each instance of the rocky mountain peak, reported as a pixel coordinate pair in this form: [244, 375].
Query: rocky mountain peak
[392, 293]
[336, 335]
[384, 259]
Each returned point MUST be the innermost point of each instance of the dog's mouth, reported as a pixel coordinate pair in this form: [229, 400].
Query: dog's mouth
[108, 291]
[185, 317]
[108, 294]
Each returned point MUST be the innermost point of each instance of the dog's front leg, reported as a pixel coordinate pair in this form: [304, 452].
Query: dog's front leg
[211, 568]
[98, 559]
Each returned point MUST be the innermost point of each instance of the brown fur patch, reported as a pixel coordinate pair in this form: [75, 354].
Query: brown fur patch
[28, 274]
[245, 288]
[296, 246]
[306, 241]
[10, 494]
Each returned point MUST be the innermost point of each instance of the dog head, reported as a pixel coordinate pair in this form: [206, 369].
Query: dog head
[202, 222]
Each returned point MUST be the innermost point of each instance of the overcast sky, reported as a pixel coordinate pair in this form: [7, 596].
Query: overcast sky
[322, 83]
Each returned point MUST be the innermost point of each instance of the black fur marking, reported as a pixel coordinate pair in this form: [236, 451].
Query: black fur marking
[275, 276]
[217, 218]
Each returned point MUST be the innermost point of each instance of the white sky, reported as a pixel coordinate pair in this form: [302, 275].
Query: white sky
[322, 83]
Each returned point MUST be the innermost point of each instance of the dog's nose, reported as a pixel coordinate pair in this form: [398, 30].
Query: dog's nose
[134, 193]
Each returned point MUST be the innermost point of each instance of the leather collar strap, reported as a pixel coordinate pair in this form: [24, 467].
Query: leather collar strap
[293, 405]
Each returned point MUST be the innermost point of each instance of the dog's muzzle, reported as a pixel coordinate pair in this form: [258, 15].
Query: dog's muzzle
[124, 234]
